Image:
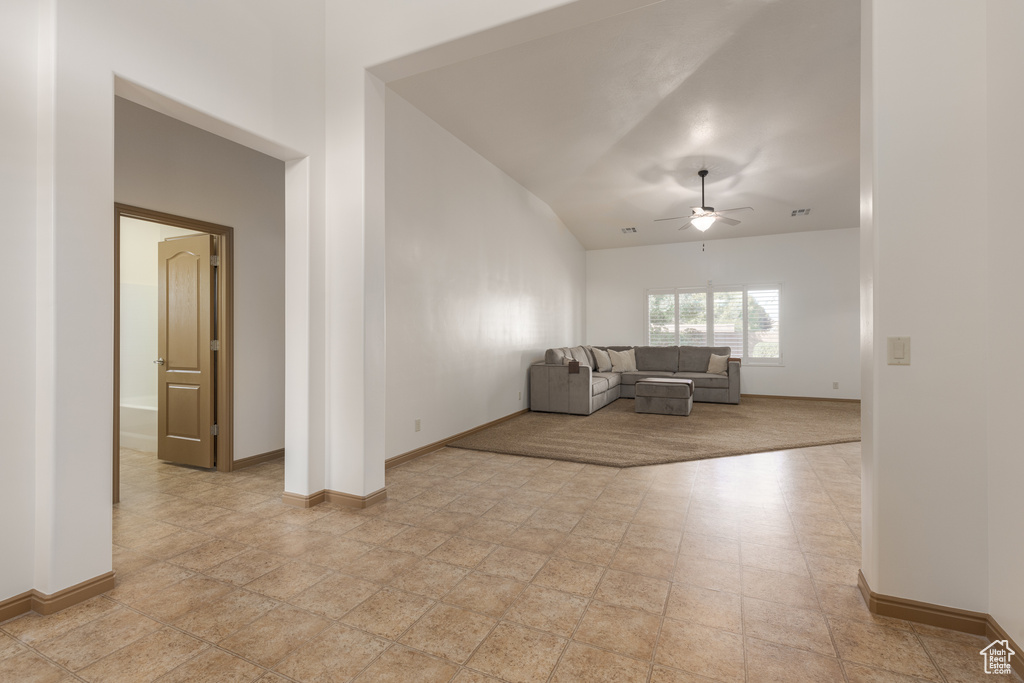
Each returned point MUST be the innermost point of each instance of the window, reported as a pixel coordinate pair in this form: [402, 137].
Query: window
[745, 318]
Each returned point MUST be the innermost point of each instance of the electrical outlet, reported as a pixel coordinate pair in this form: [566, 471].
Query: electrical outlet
[417, 425]
[835, 385]
[520, 396]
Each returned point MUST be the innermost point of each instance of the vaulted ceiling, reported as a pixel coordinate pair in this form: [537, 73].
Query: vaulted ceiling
[609, 123]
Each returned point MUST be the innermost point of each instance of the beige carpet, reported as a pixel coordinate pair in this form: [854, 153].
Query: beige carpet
[617, 436]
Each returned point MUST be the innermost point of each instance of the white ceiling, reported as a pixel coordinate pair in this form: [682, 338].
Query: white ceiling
[609, 123]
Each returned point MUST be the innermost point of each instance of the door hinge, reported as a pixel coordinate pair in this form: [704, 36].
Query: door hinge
[215, 260]
[215, 344]
[214, 430]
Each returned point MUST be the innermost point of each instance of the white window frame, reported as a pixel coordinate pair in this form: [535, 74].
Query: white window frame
[709, 292]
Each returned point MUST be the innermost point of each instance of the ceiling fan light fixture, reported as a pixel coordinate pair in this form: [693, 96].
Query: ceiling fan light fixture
[702, 223]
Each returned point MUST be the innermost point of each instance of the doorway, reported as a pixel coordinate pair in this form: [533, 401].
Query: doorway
[149, 388]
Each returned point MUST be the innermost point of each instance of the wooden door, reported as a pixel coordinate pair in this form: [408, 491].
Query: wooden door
[186, 388]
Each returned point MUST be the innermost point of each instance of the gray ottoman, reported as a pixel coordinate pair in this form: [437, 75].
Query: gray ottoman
[664, 396]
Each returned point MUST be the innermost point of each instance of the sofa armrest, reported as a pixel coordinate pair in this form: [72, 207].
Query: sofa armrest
[734, 380]
[554, 389]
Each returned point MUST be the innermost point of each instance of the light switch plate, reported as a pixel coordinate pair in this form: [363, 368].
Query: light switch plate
[899, 350]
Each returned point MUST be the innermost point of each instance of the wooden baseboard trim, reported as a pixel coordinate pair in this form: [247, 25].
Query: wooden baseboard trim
[438, 445]
[297, 500]
[803, 398]
[356, 502]
[41, 603]
[257, 459]
[337, 497]
[952, 618]
[14, 606]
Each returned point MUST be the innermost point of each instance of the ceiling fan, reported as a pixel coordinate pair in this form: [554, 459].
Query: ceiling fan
[703, 217]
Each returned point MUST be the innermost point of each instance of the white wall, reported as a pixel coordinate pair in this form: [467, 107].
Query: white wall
[819, 312]
[166, 165]
[18, 72]
[1006, 318]
[929, 441]
[482, 277]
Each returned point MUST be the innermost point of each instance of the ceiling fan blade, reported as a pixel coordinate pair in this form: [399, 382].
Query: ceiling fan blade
[670, 219]
[727, 221]
[697, 209]
[739, 208]
[686, 225]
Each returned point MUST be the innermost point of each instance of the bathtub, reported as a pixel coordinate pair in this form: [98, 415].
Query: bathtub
[139, 423]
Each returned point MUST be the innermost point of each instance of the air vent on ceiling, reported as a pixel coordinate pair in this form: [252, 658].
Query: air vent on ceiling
[800, 212]
[626, 231]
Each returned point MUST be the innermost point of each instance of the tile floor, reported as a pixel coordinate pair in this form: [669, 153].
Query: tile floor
[484, 567]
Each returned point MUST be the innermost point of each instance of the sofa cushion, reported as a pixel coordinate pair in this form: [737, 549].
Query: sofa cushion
[614, 378]
[718, 365]
[695, 358]
[579, 353]
[665, 358]
[555, 356]
[598, 385]
[623, 361]
[705, 380]
[632, 377]
[602, 361]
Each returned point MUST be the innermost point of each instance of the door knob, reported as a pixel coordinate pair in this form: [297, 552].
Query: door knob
[159, 361]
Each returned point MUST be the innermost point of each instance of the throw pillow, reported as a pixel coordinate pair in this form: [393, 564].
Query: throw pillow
[718, 365]
[580, 354]
[604, 361]
[623, 361]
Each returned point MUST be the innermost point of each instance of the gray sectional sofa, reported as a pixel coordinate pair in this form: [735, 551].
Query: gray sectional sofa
[554, 388]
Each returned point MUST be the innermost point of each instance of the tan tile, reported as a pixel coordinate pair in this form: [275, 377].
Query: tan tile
[401, 665]
[657, 564]
[337, 523]
[833, 569]
[491, 530]
[508, 511]
[208, 555]
[464, 552]
[296, 543]
[710, 547]
[184, 596]
[335, 596]
[666, 519]
[791, 626]
[287, 580]
[447, 521]
[845, 547]
[662, 674]
[126, 560]
[717, 609]
[589, 550]
[512, 563]
[629, 632]
[773, 559]
[379, 565]
[548, 610]
[146, 659]
[468, 504]
[82, 646]
[336, 552]
[603, 529]
[788, 589]
[543, 541]
[246, 566]
[567, 575]
[429, 578]
[773, 663]
[882, 647]
[449, 632]
[847, 601]
[375, 531]
[272, 636]
[518, 654]
[417, 541]
[652, 537]
[554, 520]
[172, 544]
[960, 661]
[701, 650]
[10, 647]
[147, 580]
[947, 634]
[712, 574]
[858, 673]
[585, 663]
[222, 617]
[28, 667]
[388, 612]
[337, 654]
[632, 590]
[32, 628]
[485, 593]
